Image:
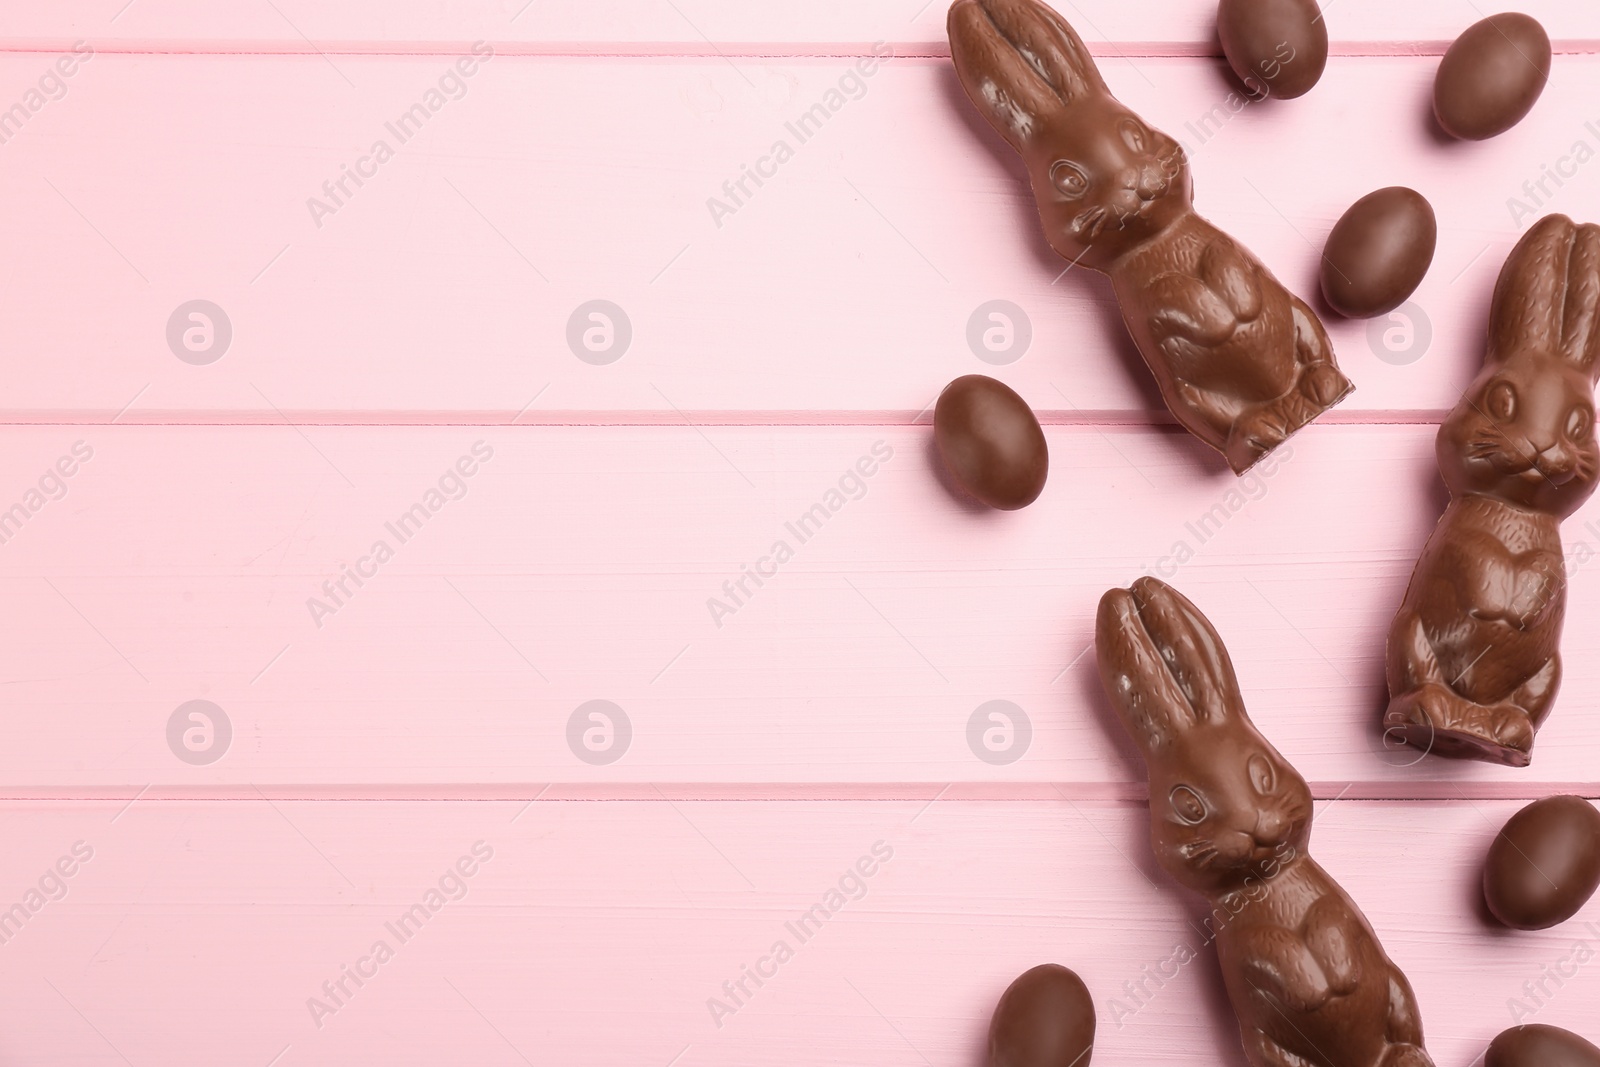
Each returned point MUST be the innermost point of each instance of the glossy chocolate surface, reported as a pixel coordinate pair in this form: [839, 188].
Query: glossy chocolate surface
[1044, 1019]
[1474, 658]
[1378, 252]
[991, 442]
[1537, 1045]
[1231, 820]
[1545, 864]
[1276, 47]
[1491, 76]
[1241, 362]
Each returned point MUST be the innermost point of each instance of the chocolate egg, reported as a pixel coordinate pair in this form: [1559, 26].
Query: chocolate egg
[1045, 1019]
[1491, 76]
[1545, 864]
[991, 442]
[1537, 1045]
[1277, 47]
[1378, 252]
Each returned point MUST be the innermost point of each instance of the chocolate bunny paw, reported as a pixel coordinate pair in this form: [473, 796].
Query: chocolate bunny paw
[1437, 720]
[1324, 385]
[1263, 427]
[1259, 429]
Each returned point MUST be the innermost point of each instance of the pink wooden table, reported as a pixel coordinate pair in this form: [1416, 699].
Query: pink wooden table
[400, 500]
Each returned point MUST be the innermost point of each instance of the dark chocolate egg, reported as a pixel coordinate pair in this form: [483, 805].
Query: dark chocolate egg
[1045, 1019]
[1491, 76]
[1378, 252]
[1537, 1045]
[1277, 47]
[1545, 863]
[991, 442]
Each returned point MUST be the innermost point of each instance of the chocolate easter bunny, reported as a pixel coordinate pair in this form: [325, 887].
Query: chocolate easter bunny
[1241, 362]
[1474, 655]
[1230, 819]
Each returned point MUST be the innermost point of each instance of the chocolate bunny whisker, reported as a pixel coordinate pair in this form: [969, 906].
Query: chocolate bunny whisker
[1241, 362]
[1474, 659]
[1231, 820]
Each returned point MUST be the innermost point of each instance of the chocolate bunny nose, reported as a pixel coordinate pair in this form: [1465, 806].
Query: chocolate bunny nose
[1271, 828]
[1152, 183]
[1555, 464]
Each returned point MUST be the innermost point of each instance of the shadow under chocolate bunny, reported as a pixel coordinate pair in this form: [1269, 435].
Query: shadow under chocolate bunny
[1430, 496]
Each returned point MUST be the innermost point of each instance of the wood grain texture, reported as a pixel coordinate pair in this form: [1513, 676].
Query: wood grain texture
[728, 26]
[435, 705]
[596, 933]
[442, 288]
[577, 564]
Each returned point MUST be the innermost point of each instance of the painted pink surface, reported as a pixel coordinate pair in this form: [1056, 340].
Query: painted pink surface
[734, 26]
[597, 932]
[596, 563]
[514, 212]
[430, 708]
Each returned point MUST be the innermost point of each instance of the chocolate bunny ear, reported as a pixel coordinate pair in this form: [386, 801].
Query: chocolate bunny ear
[1018, 60]
[1163, 665]
[1548, 295]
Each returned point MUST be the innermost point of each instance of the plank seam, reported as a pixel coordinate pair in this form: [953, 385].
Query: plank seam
[665, 792]
[288, 419]
[919, 49]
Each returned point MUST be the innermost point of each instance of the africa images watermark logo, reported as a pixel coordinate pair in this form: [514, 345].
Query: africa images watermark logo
[450, 887]
[451, 85]
[999, 332]
[199, 332]
[49, 888]
[452, 485]
[1553, 177]
[49, 87]
[851, 85]
[851, 485]
[999, 732]
[199, 732]
[599, 732]
[1138, 993]
[49, 487]
[850, 886]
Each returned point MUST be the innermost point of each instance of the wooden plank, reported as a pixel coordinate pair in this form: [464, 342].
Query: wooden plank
[580, 564]
[443, 288]
[729, 26]
[196, 933]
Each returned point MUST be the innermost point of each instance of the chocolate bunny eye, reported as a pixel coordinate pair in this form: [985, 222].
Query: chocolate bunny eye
[1132, 135]
[1262, 776]
[1069, 179]
[1580, 424]
[1187, 803]
[1502, 401]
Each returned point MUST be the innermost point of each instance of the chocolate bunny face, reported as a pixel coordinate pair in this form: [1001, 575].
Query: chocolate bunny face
[1225, 807]
[1113, 192]
[1104, 181]
[1524, 434]
[1524, 430]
